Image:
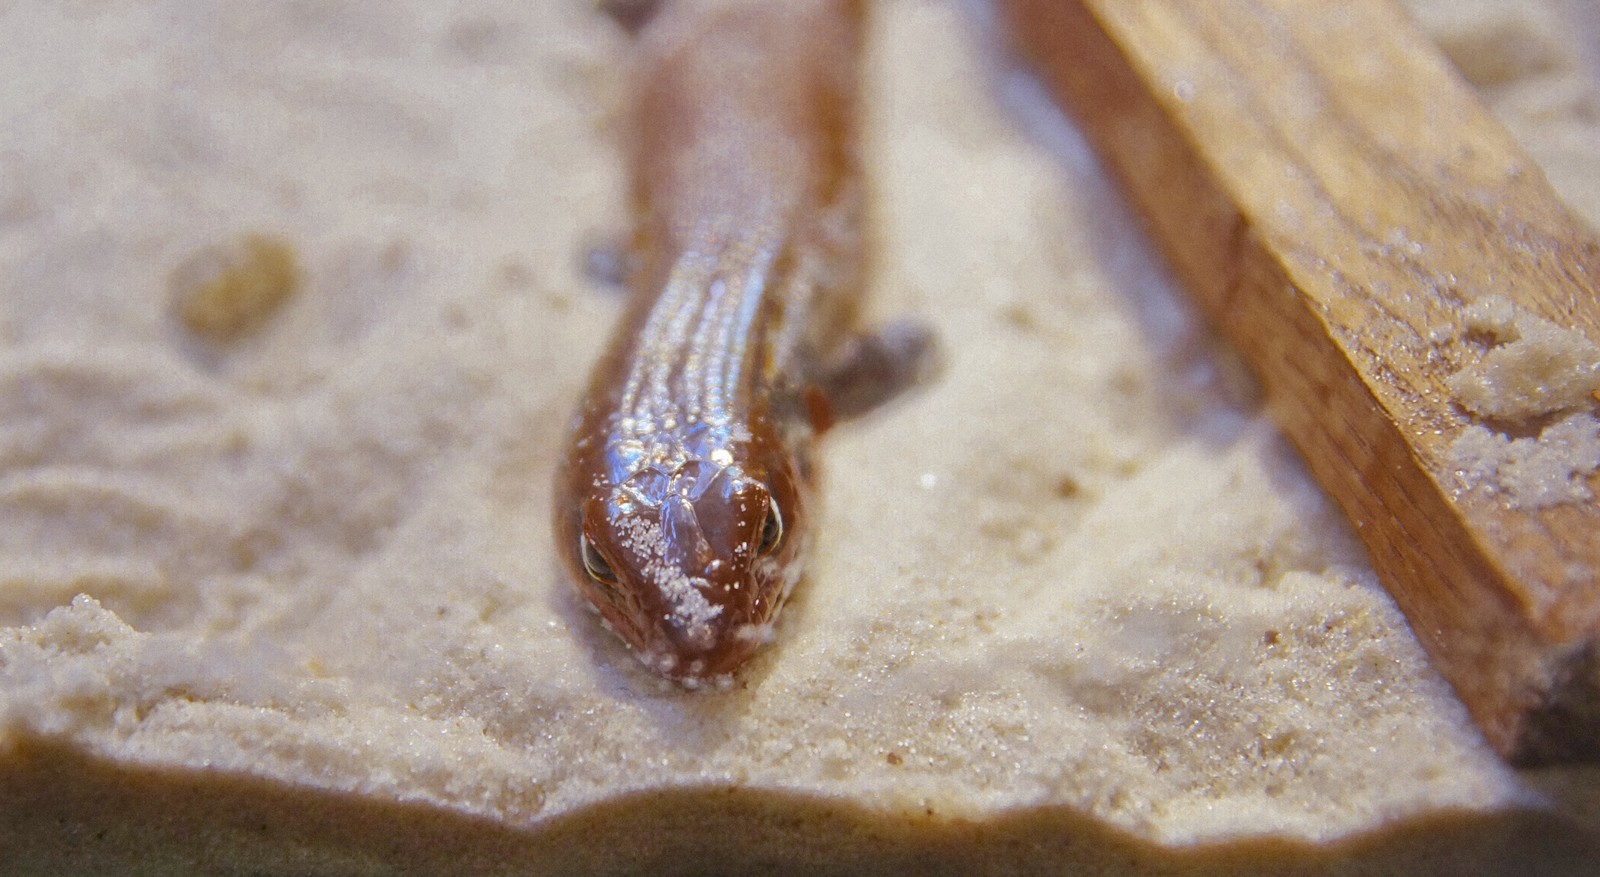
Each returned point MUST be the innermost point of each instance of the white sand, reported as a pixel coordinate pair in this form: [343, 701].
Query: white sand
[1077, 602]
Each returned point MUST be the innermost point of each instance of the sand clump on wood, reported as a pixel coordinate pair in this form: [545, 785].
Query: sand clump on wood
[1531, 369]
[1076, 590]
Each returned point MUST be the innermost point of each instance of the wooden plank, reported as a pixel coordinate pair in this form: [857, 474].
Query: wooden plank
[1394, 267]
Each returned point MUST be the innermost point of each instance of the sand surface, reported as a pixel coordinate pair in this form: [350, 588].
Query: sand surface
[281, 598]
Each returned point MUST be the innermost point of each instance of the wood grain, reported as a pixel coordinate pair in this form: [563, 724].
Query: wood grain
[1335, 198]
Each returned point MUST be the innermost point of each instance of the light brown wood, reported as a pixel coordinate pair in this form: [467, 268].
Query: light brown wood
[1334, 197]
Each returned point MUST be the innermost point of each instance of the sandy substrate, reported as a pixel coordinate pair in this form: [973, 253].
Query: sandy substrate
[280, 598]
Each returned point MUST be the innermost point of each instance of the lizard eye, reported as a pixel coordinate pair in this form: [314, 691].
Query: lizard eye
[594, 563]
[771, 529]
